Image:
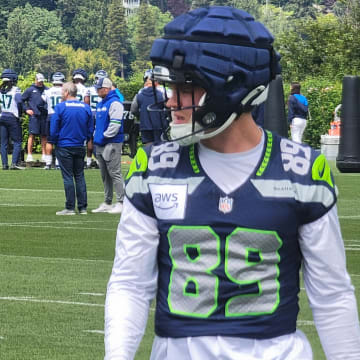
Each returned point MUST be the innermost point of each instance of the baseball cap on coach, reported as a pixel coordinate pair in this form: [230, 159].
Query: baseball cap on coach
[39, 77]
[103, 83]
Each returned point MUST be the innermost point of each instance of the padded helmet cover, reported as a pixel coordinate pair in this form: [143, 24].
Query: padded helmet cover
[221, 49]
[9, 74]
[81, 72]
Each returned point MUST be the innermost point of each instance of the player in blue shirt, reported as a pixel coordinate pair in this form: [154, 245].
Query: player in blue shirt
[71, 126]
[218, 221]
[10, 126]
[298, 109]
[152, 124]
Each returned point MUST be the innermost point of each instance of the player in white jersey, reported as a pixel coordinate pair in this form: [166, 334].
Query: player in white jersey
[79, 77]
[94, 100]
[52, 97]
[10, 126]
[219, 220]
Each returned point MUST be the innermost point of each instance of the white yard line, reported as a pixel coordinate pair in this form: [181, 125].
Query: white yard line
[349, 217]
[91, 294]
[53, 259]
[46, 301]
[305, 322]
[64, 227]
[46, 190]
[102, 332]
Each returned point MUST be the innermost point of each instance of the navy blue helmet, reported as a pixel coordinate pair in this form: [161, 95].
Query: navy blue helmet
[222, 50]
[9, 75]
[80, 74]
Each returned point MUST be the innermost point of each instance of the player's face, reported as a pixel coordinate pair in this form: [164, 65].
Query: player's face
[182, 94]
[102, 92]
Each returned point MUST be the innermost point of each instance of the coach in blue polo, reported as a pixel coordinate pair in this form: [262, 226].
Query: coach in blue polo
[108, 139]
[71, 126]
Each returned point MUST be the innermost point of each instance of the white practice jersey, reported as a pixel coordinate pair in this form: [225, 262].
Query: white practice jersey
[82, 92]
[8, 103]
[52, 97]
[94, 98]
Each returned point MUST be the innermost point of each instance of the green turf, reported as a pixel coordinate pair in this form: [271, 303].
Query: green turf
[54, 270]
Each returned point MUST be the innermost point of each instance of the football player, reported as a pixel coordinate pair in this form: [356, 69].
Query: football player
[52, 96]
[218, 222]
[79, 78]
[94, 100]
[152, 124]
[10, 126]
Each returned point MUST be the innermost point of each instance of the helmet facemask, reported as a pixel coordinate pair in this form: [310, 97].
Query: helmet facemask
[224, 51]
[206, 120]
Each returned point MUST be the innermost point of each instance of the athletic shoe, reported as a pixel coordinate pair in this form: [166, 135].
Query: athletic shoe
[116, 209]
[57, 167]
[29, 158]
[104, 207]
[6, 167]
[47, 167]
[66, 212]
[83, 212]
[16, 167]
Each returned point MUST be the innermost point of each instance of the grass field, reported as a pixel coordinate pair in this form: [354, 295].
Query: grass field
[54, 270]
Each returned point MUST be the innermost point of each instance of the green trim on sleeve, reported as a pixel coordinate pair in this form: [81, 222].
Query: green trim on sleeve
[321, 170]
[139, 164]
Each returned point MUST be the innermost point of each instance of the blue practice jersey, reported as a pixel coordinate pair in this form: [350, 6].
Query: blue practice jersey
[229, 263]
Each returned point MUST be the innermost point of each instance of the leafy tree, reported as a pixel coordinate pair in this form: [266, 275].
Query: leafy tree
[29, 28]
[90, 60]
[116, 35]
[43, 25]
[199, 3]
[319, 48]
[177, 7]
[145, 27]
[51, 62]
[77, 17]
[87, 26]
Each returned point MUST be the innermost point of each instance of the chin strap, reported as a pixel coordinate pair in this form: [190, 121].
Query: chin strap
[220, 129]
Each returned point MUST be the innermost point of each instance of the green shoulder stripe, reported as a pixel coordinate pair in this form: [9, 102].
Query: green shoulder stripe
[193, 162]
[139, 164]
[267, 154]
[321, 170]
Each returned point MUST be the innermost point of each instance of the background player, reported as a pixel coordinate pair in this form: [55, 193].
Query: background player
[218, 223]
[35, 107]
[152, 124]
[52, 96]
[94, 100]
[10, 126]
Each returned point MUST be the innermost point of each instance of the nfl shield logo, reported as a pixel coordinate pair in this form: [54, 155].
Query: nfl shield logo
[225, 204]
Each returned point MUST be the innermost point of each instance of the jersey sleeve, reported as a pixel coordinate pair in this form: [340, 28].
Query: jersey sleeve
[308, 176]
[137, 182]
[132, 283]
[328, 287]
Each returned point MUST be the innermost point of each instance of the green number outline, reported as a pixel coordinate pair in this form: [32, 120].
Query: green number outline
[6, 104]
[230, 277]
[208, 271]
[228, 303]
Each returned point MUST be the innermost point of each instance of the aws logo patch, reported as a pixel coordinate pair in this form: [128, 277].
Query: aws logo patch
[169, 200]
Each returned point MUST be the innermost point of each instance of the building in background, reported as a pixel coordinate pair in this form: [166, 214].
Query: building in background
[131, 6]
